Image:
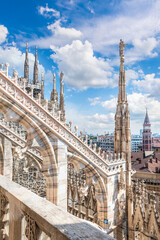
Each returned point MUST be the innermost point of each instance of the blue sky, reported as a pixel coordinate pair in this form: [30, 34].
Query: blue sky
[81, 39]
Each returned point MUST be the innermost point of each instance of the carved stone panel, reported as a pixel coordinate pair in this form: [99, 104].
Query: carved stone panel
[4, 217]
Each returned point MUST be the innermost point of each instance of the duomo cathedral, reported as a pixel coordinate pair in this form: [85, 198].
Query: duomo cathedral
[41, 151]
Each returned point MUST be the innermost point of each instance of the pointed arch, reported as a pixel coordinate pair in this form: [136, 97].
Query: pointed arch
[100, 189]
[49, 166]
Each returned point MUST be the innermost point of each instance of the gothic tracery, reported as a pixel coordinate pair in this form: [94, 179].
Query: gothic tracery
[81, 197]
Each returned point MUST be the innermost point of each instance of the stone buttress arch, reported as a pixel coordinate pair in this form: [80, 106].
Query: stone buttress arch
[49, 166]
[100, 190]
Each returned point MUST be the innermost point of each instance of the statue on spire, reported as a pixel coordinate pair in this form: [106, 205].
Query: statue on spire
[121, 48]
[121, 53]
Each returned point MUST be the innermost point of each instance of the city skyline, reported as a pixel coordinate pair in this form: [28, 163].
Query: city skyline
[81, 39]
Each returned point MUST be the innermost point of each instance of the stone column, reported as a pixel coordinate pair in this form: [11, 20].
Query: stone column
[61, 156]
[15, 220]
[1, 157]
[7, 158]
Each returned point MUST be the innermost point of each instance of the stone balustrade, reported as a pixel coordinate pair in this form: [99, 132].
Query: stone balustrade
[20, 132]
[12, 135]
[24, 215]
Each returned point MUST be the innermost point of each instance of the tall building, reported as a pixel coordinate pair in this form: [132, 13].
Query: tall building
[147, 134]
[136, 141]
[122, 117]
[106, 143]
[122, 137]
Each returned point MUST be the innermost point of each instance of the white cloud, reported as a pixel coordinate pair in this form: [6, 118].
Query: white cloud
[60, 36]
[3, 33]
[137, 105]
[131, 75]
[16, 58]
[110, 105]
[149, 83]
[102, 118]
[90, 8]
[105, 31]
[100, 123]
[82, 69]
[48, 12]
[58, 31]
[136, 22]
[96, 123]
[48, 77]
[142, 48]
[94, 101]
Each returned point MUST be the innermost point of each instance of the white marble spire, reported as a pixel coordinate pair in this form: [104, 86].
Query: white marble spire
[42, 86]
[122, 113]
[35, 74]
[62, 105]
[54, 94]
[26, 65]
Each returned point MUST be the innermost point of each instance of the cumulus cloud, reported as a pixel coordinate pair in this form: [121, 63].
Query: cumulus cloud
[94, 101]
[3, 33]
[100, 123]
[58, 31]
[82, 69]
[102, 118]
[110, 105]
[137, 105]
[149, 83]
[142, 48]
[15, 58]
[60, 36]
[104, 31]
[48, 77]
[131, 75]
[48, 12]
[140, 31]
[94, 123]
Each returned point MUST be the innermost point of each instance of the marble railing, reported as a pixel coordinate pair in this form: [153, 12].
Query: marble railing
[24, 215]
[16, 92]
[18, 130]
[19, 139]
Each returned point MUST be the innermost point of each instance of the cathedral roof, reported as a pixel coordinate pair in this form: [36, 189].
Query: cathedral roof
[146, 120]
